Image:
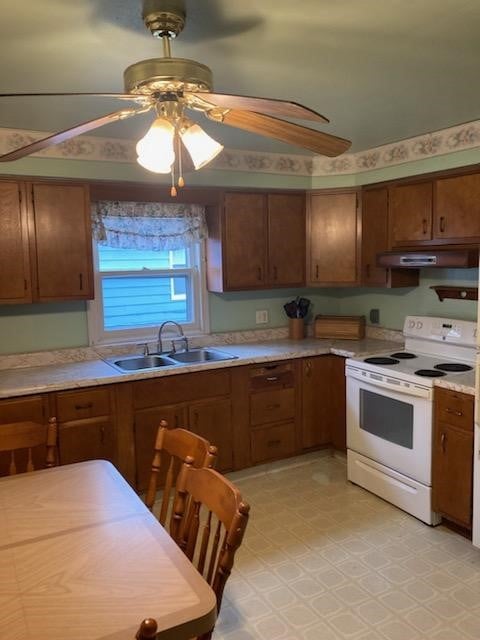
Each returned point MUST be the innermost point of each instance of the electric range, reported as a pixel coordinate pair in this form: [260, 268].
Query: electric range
[389, 410]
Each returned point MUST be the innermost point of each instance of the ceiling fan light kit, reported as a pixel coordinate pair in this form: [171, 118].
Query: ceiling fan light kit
[170, 85]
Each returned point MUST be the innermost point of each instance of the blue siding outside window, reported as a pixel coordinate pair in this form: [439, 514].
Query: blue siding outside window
[144, 296]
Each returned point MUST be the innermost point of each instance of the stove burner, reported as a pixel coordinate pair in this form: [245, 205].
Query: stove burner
[429, 373]
[453, 366]
[381, 360]
[403, 355]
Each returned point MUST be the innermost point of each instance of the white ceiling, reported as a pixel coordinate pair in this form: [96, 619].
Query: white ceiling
[380, 70]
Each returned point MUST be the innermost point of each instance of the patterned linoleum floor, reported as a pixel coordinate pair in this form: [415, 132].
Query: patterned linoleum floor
[326, 560]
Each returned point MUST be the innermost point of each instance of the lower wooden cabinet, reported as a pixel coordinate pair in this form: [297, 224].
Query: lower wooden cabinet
[201, 404]
[323, 402]
[86, 424]
[452, 462]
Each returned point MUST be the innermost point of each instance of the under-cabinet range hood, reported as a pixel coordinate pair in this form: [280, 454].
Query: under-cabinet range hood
[446, 258]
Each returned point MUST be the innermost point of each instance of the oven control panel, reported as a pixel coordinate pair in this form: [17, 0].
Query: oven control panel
[461, 332]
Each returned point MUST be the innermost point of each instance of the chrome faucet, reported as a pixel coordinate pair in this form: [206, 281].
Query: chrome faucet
[181, 336]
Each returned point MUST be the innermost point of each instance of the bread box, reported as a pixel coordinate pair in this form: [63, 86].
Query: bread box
[340, 327]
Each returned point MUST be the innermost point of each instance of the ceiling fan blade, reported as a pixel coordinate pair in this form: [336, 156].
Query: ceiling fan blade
[268, 106]
[317, 141]
[77, 130]
[118, 96]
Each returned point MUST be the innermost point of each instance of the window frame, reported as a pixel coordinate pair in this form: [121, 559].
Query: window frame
[99, 336]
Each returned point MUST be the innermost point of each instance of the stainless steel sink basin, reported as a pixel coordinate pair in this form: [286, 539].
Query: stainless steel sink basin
[136, 363]
[201, 355]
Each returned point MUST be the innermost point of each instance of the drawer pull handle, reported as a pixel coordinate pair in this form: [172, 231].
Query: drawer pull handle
[453, 412]
[87, 405]
[272, 378]
[273, 443]
[273, 406]
[424, 226]
[443, 441]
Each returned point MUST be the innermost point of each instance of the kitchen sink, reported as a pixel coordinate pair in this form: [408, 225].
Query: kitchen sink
[137, 363]
[200, 355]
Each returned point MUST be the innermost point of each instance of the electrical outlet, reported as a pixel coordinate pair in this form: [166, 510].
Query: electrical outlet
[261, 317]
[374, 316]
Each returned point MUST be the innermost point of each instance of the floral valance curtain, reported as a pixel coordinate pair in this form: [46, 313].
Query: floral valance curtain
[154, 226]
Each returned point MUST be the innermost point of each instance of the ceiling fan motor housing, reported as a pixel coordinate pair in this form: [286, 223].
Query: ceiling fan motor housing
[164, 17]
[167, 75]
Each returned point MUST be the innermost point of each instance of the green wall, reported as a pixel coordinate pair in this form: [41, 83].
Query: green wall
[49, 326]
[40, 327]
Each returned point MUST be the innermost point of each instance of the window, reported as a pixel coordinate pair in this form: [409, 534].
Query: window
[148, 269]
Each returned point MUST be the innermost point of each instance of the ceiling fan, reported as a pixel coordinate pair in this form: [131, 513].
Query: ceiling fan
[171, 86]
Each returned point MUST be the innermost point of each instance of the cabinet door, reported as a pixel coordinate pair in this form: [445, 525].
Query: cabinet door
[15, 284]
[323, 402]
[457, 208]
[63, 241]
[145, 429]
[452, 473]
[86, 440]
[245, 240]
[410, 213]
[286, 239]
[213, 421]
[374, 235]
[332, 237]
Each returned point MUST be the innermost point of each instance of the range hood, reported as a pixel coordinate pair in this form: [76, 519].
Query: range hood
[446, 258]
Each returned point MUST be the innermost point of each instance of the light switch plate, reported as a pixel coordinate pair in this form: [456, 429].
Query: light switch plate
[261, 317]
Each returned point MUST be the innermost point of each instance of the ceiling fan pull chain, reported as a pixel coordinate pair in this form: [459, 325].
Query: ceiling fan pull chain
[173, 189]
[181, 181]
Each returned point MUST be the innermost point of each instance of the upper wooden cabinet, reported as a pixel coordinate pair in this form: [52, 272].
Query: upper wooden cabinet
[410, 211]
[457, 208]
[45, 242]
[440, 211]
[375, 240]
[256, 241]
[333, 237]
[15, 282]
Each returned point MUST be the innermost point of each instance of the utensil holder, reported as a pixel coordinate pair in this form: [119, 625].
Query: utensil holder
[296, 328]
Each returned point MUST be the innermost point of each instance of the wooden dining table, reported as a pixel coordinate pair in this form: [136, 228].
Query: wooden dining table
[82, 558]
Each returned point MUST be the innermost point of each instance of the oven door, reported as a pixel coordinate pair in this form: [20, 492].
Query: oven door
[390, 422]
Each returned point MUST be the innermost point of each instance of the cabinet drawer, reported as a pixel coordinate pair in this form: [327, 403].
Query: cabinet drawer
[272, 406]
[272, 376]
[78, 405]
[273, 442]
[454, 408]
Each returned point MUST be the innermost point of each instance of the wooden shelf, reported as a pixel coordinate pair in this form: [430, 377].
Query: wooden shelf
[456, 293]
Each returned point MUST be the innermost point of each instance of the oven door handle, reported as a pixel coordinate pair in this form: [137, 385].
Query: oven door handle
[382, 382]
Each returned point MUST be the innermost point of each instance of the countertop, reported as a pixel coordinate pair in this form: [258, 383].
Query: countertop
[55, 377]
[41, 379]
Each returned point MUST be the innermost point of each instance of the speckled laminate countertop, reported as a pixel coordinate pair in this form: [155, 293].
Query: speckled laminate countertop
[41, 379]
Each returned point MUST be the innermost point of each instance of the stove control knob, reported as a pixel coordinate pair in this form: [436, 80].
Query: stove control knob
[411, 324]
[419, 325]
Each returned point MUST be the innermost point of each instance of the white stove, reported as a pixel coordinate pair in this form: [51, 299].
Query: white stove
[389, 410]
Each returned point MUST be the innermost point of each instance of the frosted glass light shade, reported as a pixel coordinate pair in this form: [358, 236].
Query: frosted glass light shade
[155, 150]
[201, 147]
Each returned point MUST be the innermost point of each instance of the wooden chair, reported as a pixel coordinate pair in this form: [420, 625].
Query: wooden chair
[221, 500]
[27, 435]
[174, 447]
[147, 630]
